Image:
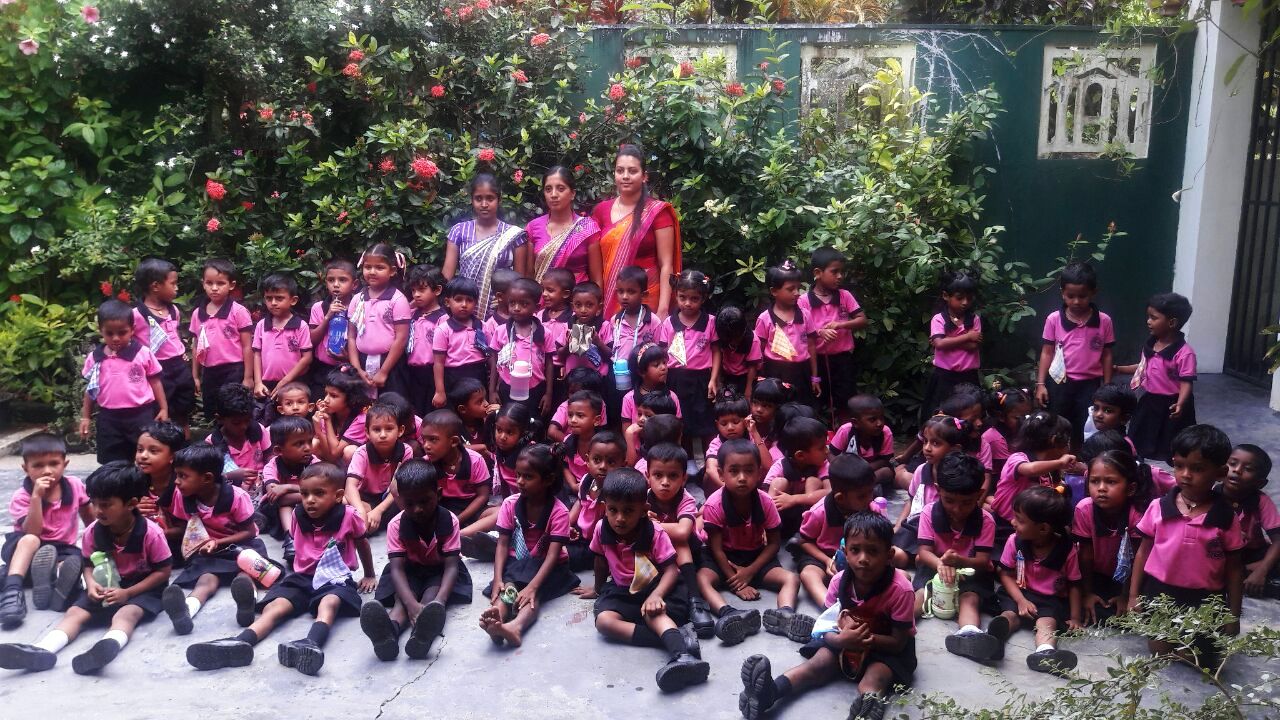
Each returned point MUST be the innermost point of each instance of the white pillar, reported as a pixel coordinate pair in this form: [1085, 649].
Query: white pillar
[1213, 177]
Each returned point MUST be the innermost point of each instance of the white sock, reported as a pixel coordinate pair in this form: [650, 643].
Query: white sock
[54, 641]
[118, 636]
[193, 606]
[968, 630]
[1045, 646]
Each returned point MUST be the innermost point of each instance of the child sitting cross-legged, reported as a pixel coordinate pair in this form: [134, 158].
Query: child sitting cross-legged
[1247, 471]
[292, 439]
[676, 512]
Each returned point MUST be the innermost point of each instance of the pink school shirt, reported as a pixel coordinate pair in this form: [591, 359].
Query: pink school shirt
[281, 347]
[845, 441]
[504, 477]
[342, 524]
[561, 416]
[735, 362]
[232, 507]
[797, 331]
[682, 506]
[374, 474]
[652, 542]
[839, 308]
[698, 340]
[922, 489]
[713, 450]
[1011, 483]
[381, 315]
[741, 533]
[623, 333]
[1049, 575]
[1105, 540]
[1166, 369]
[250, 455]
[357, 433]
[1082, 345]
[315, 320]
[470, 473]
[143, 552]
[531, 347]
[590, 509]
[218, 335]
[144, 319]
[894, 604]
[275, 471]
[423, 331]
[1259, 521]
[823, 525]
[629, 405]
[61, 519]
[424, 545]
[554, 524]
[123, 378]
[997, 446]
[978, 534]
[457, 341]
[784, 469]
[1190, 553]
[954, 359]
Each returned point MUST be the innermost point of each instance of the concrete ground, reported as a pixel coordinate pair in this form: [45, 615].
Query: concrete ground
[564, 669]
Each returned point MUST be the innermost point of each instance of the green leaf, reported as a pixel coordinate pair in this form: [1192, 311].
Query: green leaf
[19, 233]
[1235, 67]
[88, 134]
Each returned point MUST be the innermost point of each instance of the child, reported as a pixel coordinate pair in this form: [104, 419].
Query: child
[374, 465]
[799, 479]
[853, 487]
[501, 283]
[468, 400]
[293, 399]
[967, 404]
[584, 410]
[1076, 358]
[1008, 409]
[788, 335]
[732, 413]
[245, 443]
[281, 341]
[459, 341]
[579, 378]
[155, 323]
[225, 512]
[345, 399]
[872, 642]
[649, 406]
[379, 325]
[291, 445]
[157, 445]
[340, 287]
[423, 575]
[1104, 526]
[605, 452]
[634, 325]
[657, 430]
[648, 366]
[465, 485]
[742, 526]
[46, 510]
[123, 380]
[141, 556]
[531, 566]
[1166, 371]
[1113, 405]
[693, 352]
[223, 330]
[1248, 469]
[943, 435]
[328, 536]
[522, 339]
[583, 345]
[508, 431]
[768, 396]
[1039, 578]
[425, 284]
[1191, 538]
[676, 512]
[1041, 459]
[836, 315]
[740, 353]
[955, 334]
[867, 435]
[638, 592]
[557, 315]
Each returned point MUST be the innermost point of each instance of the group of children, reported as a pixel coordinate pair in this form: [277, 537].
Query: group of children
[547, 439]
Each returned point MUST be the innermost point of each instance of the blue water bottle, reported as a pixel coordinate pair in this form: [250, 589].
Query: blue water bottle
[336, 342]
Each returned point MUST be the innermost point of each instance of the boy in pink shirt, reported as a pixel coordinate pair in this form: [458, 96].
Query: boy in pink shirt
[1248, 469]
[1084, 335]
[631, 327]
[522, 338]
[1166, 372]
[223, 330]
[867, 435]
[281, 340]
[956, 337]
[425, 284]
[836, 314]
[339, 287]
[788, 336]
[123, 380]
[156, 320]
[459, 343]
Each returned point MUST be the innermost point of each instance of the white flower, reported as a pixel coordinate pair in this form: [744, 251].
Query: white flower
[35, 249]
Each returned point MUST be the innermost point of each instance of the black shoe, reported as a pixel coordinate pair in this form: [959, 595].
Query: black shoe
[426, 629]
[95, 658]
[376, 624]
[1000, 629]
[758, 691]
[303, 655]
[174, 601]
[245, 596]
[682, 671]
[66, 584]
[13, 607]
[776, 621]
[20, 656]
[703, 621]
[1053, 662]
[286, 546]
[691, 644]
[735, 625]
[801, 628]
[869, 706]
[218, 654]
[978, 646]
[41, 574]
[480, 546]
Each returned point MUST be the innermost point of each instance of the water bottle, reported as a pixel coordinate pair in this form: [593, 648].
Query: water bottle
[621, 374]
[1076, 484]
[261, 570]
[521, 374]
[104, 570]
[943, 602]
[336, 342]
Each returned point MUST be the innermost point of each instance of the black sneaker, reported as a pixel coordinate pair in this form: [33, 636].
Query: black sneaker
[758, 691]
[691, 644]
[13, 607]
[776, 621]
[1053, 662]
[174, 601]
[218, 654]
[286, 546]
[245, 595]
[21, 656]
[480, 546]
[735, 625]
[376, 624]
[41, 574]
[426, 629]
[801, 628]
[682, 671]
[66, 584]
[978, 646]
[703, 621]
[95, 658]
[303, 655]
[869, 706]
[1000, 629]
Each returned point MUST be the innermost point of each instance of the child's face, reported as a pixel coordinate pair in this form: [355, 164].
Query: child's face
[869, 424]
[520, 306]
[731, 426]
[958, 303]
[959, 506]
[192, 483]
[655, 374]
[484, 203]
[831, 277]
[297, 448]
[624, 516]
[1159, 324]
[462, 307]
[974, 415]
[812, 456]
[377, 272]
[867, 556]
[295, 403]
[1015, 411]
[151, 456]
[1108, 488]
[631, 296]
[689, 302]
[474, 409]
[604, 457]
[50, 464]
[666, 479]
[424, 297]
[217, 286]
[1196, 474]
[643, 413]
[787, 294]
[113, 512]
[419, 505]
[1027, 529]
[582, 418]
[935, 448]
[1077, 297]
[762, 412]
[279, 303]
[506, 433]
[318, 495]
[855, 499]
[585, 307]
[554, 295]
[1108, 417]
[437, 445]
[383, 432]
[1242, 474]
[116, 334]
[741, 473]
[339, 283]
[166, 290]
[235, 427]
[529, 480]
[335, 401]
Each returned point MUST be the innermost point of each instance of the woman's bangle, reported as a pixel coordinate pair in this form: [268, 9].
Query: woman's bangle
[815, 378]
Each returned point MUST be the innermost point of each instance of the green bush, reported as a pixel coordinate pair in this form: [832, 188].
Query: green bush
[42, 345]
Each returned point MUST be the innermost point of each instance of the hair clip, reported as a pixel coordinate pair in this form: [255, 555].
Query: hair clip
[360, 262]
[399, 259]
[785, 385]
[787, 265]
[958, 423]
[1060, 489]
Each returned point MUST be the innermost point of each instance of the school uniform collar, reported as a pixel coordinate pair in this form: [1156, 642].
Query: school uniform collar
[127, 353]
[565, 316]
[1056, 558]
[463, 471]
[653, 502]
[1219, 516]
[1149, 348]
[293, 323]
[252, 435]
[699, 325]
[1248, 505]
[387, 293]
[593, 323]
[522, 513]
[835, 516]
[642, 316]
[409, 532]
[880, 585]
[65, 485]
[171, 310]
[815, 300]
[288, 471]
[330, 523]
[731, 516]
[641, 545]
[1095, 319]
[1102, 523]
[221, 506]
[778, 322]
[942, 523]
[431, 315]
[223, 313]
[538, 336]
[966, 322]
[103, 539]
[396, 454]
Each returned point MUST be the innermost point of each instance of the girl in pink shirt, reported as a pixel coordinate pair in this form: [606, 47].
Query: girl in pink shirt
[245, 444]
[374, 465]
[648, 365]
[1008, 410]
[425, 284]
[943, 435]
[156, 320]
[123, 381]
[340, 287]
[509, 430]
[379, 321]
[522, 338]
[223, 328]
[345, 399]
[1041, 459]
[693, 352]
[606, 451]
[1105, 526]
[740, 353]
[955, 334]
[787, 335]
[1165, 373]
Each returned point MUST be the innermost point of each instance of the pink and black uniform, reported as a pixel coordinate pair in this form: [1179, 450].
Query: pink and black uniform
[556, 326]
[1259, 524]
[622, 334]
[1106, 537]
[1188, 559]
[423, 551]
[651, 542]
[421, 357]
[596, 360]
[529, 541]
[120, 385]
[689, 359]
[342, 525]
[738, 359]
[373, 472]
[1082, 346]
[144, 551]
[995, 445]
[375, 320]
[743, 536]
[846, 440]
[1011, 483]
[1044, 581]
[682, 506]
[835, 357]
[628, 411]
[464, 349]
[1162, 373]
[61, 520]
[951, 366]
[230, 511]
[822, 525]
[795, 477]
[160, 334]
[280, 347]
[888, 606]
[458, 489]
[251, 454]
[219, 349]
[921, 492]
[785, 349]
[513, 344]
[976, 535]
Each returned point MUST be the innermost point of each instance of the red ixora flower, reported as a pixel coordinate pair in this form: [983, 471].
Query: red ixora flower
[90, 14]
[779, 86]
[734, 89]
[214, 189]
[311, 87]
[266, 113]
[464, 13]
[213, 225]
[483, 4]
[634, 62]
[485, 154]
[368, 203]
[573, 136]
[686, 69]
[437, 91]
[355, 56]
[342, 216]
[579, 169]
[617, 92]
[246, 204]
[275, 194]
[387, 165]
[519, 76]
[423, 167]
[621, 118]
[123, 296]
[15, 298]
[539, 40]
[106, 288]
[764, 65]
[518, 176]
[352, 70]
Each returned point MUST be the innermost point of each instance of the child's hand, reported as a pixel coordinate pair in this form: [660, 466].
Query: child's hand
[117, 596]
[367, 585]
[653, 515]
[247, 382]
[93, 590]
[950, 558]
[260, 391]
[528, 598]
[585, 592]
[437, 400]
[574, 534]
[975, 337]
[373, 522]
[413, 607]
[335, 307]
[831, 567]
[1175, 411]
[1042, 395]
[785, 502]
[1231, 628]
[1256, 580]
[828, 332]
[816, 387]
[544, 405]
[196, 380]
[364, 376]
[1091, 602]
[1074, 624]
[752, 432]
[147, 506]
[273, 492]
[748, 593]
[208, 548]
[947, 573]
[1066, 462]
[1127, 607]
[1026, 608]
[711, 391]
[379, 379]
[653, 606]
[250, 478]
[162, 416]
[41, 485]
[84, 428]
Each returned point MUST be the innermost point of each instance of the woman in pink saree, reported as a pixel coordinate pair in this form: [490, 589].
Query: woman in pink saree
[562, 238]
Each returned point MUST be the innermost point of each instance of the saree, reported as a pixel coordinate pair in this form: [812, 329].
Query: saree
[620, 247]
[559, 251]
[479, 257]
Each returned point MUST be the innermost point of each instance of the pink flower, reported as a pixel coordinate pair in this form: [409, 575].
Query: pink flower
[483, 4]
[311, 87]
[215, 190]
[90, 14]
[437, 91]
[355, 56]
[352, 70]
[293, 114]
[275, 194]
[539, 40]
[423, 167]
[306, 118]
[779, 86]
[686, 69]
[764, 65]
[464, 13]
[213, 225]
[634, 62]
[573, 136]
[342, 216]
[733, 90]
[485, 155]
[519, 76]
[246, 204]
[621, 118]
[617, 92]
[582, 118]
[448, 12]
[387, 165]
[29, 46]
[266, 113]
[518, 176]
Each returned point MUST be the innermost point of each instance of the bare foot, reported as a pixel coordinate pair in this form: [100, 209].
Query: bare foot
[491, 622]
[508, 632]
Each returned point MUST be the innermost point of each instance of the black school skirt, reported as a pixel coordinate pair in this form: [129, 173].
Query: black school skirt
[941, 384]
[395, 377]
[212, 378]
[420, 381]
[318, 377]
[1152, 430]
[420, 578]
[628, 604]
[221, 564]
[296, 588]
[478, 370]
[796, 374]
[560, 581]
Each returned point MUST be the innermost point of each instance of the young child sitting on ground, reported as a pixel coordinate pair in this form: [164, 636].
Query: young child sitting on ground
[1247, 474]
